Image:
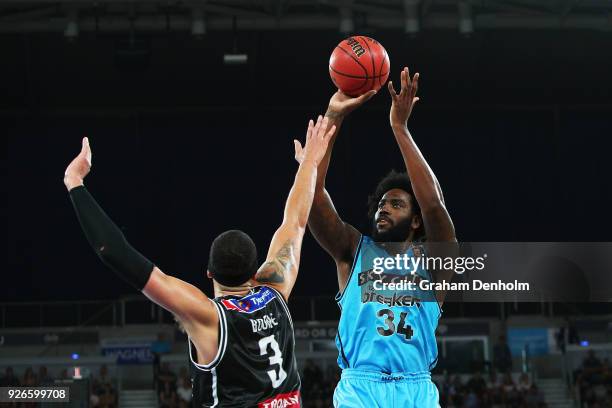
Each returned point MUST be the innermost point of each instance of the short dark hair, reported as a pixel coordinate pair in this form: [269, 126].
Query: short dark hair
[393, 180]
[233, 258]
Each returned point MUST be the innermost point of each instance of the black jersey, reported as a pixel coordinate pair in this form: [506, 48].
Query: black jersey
[255, 365]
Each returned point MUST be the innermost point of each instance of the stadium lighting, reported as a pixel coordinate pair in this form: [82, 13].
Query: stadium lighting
[71, 32]
[198, 25]
[466, 22]
[347, 25]
[235, 59]
[411, 17]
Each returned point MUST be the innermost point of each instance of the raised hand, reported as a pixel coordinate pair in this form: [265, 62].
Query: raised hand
[341, 104]
[317, 140]
[402, 103]
[80, 166]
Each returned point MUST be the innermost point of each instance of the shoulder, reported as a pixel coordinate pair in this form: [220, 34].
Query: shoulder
[360, 242]
[348, 245]
[272, 293]
[268, 293]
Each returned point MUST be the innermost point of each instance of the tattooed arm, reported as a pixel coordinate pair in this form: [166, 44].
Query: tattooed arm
[272, 271]
[281, 267]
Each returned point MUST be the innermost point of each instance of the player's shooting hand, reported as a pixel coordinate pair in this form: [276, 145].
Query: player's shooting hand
[341, 104]
[317, 140]
[79, 167]
[402, 103]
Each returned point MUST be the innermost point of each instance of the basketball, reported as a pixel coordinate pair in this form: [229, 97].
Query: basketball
[359, 64]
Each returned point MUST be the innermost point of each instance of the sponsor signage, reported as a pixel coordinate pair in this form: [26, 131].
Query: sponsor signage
[128, 352]
[532, 341]
[315, 332]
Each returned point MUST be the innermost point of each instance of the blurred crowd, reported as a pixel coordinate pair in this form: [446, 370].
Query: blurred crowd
[494, 391]
[29, 378]
[318, 385]
[173, 391]
[593, 381]
[102, 388]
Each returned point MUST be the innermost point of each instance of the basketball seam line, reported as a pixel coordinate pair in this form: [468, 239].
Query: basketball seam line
[371, 59]
[349, 89]
[356, 60]
[355, 76]
[365, 79]
[381, 65]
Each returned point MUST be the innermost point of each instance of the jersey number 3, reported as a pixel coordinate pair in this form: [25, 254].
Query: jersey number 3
[402, 329]
[276, 358]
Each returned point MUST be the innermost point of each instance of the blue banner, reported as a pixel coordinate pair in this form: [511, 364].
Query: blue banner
[127, 354]
[533, 340]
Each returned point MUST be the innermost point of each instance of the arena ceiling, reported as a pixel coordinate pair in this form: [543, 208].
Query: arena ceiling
[346, 16]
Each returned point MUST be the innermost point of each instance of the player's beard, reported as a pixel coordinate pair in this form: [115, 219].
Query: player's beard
[397, 233]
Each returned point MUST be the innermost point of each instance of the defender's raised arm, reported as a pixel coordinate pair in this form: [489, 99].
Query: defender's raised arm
[283, 259]
[184, 300]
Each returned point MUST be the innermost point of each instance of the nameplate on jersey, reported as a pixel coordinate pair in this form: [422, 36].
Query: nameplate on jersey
[250, 303]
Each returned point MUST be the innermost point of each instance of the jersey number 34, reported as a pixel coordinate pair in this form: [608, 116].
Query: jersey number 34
[389, 328]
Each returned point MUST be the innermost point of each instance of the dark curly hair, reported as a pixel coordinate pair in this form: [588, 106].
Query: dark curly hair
[393, 180]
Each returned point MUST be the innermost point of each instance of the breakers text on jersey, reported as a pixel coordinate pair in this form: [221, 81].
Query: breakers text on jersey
[386, 311]
[367, 280]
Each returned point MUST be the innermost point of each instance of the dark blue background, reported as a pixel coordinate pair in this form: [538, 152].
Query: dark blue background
[515, 125]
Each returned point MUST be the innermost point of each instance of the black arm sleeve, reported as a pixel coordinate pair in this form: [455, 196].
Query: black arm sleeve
[108, 241]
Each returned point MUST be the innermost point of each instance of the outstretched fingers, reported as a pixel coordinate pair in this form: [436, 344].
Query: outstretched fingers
[415, 85]
[309, 129]
[317, 126]
[363, 98]
[299, 150]
[86, 150]
[329, 134]
[405, 79]
[391, 90]
[323, 127]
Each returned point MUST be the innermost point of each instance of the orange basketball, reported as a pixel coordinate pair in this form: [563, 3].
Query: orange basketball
[358, 65]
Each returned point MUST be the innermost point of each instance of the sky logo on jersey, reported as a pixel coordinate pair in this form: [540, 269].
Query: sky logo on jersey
[250, 303]
[289, 400]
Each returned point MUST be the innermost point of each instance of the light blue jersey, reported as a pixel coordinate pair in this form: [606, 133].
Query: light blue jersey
[387, 330]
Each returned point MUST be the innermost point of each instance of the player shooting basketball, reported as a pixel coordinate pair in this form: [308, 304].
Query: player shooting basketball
[386, 339]
[241, 344]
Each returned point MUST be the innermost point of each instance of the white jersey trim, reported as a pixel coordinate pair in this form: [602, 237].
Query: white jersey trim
[222, 345]
[214, 388]
[340, 293]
